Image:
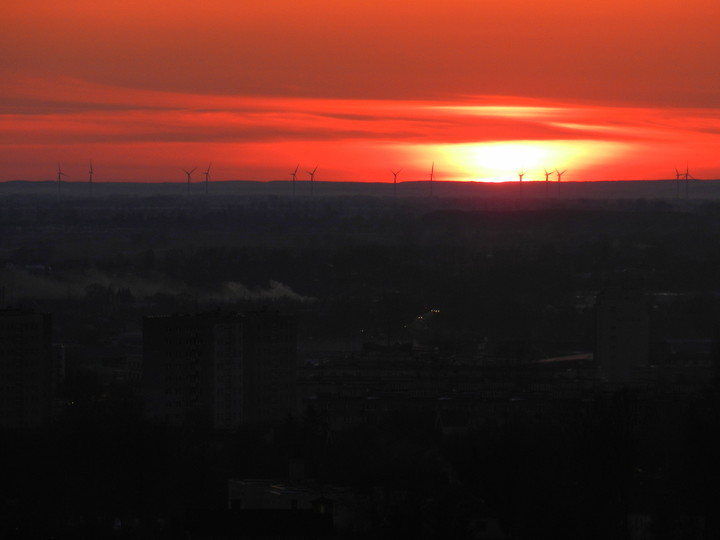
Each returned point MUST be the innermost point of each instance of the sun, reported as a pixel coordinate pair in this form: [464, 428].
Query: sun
[505, 157]
[496, 161]
[501, 161]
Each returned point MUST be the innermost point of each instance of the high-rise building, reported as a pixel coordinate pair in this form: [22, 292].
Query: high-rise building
[269, 355]
[622, 332]
[28, 374]
[219, 369]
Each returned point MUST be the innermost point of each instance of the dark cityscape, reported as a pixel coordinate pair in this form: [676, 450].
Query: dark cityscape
[347, 365]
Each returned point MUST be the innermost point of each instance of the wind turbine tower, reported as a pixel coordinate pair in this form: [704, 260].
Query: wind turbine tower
[521, 173]
[432, 174]
[59, 177]
[395, 173]
[90, 172]
[687, 176]
[312, 178]
[547, 181]
[678, 174]
[559, 175]
[189, 173]
[294, 177]
[207, 179]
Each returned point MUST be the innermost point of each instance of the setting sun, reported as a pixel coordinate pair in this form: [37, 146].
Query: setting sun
[503, 161]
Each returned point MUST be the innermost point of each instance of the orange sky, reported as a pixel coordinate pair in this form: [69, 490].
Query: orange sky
[614, 90]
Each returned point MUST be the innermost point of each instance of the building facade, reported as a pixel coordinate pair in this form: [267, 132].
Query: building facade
[219, 369]
[28, 371]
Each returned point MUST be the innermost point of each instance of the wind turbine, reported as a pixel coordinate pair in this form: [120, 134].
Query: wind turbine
[207, 178]
[188, 178]
[432, 174]
[521, 173]
[547, 180]
[687, 176]
[312, 178]
[294, 177]
[395, 173]
[678, 174]
[559, 175]
[59, 177]
[91, 175]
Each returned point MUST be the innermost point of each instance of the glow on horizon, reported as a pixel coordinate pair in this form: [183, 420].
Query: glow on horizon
[502, 161]
[142, 135]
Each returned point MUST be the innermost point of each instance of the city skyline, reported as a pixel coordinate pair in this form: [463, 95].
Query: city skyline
[618, 92]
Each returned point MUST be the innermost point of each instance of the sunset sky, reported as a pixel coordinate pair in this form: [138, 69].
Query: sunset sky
[610, 90]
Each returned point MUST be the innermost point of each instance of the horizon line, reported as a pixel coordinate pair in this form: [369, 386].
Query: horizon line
[390, 183]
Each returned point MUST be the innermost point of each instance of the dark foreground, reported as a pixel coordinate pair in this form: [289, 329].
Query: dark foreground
[446, 380]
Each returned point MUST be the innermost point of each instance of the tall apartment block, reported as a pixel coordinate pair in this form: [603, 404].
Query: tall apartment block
[219, 369]
[28, 374]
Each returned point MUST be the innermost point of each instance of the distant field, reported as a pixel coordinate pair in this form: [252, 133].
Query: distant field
[648, 189]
